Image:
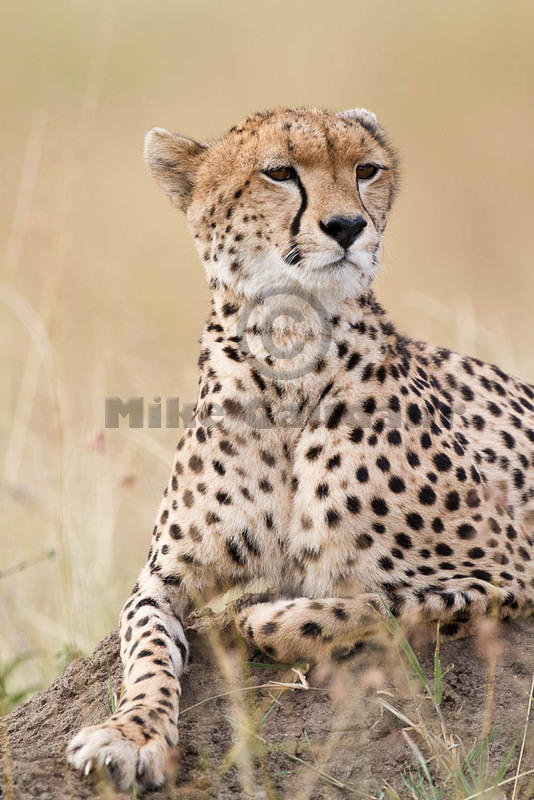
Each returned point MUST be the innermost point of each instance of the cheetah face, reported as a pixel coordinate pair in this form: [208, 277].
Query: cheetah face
[287, 197]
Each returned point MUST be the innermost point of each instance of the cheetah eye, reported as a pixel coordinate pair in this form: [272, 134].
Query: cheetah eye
[365, 172]
[280, 173]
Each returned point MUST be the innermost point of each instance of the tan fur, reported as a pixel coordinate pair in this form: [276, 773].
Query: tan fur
[360, 470]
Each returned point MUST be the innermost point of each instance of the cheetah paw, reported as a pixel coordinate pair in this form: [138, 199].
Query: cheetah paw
[102, 747]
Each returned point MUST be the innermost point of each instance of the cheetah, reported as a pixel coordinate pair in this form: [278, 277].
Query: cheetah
[348, 467]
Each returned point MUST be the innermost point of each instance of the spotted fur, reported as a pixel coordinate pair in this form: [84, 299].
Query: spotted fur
[370, 469]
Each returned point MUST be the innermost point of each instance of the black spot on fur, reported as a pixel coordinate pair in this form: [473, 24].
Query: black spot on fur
[311, 629]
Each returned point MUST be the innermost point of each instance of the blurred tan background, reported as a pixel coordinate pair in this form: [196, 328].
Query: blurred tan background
[102, 293]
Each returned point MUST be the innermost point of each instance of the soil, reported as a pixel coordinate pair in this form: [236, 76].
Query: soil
[351, 744]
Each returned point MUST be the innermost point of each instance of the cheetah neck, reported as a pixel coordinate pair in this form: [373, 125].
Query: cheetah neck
[285, 350]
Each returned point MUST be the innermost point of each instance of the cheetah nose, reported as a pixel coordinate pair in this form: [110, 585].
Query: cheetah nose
[344, 229]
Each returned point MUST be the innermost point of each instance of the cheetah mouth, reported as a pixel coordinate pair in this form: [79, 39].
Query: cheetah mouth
[337, 263]
[333, 265]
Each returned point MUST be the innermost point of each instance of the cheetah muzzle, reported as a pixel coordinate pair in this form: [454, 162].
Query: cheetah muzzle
[339, 462]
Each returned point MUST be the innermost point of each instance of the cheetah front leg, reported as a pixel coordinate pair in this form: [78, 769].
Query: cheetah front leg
[288, 630]
[135, 743]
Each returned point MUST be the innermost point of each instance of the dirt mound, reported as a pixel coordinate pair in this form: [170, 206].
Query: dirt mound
[351, 744]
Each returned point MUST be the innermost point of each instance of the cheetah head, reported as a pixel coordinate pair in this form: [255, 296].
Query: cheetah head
[287, 197]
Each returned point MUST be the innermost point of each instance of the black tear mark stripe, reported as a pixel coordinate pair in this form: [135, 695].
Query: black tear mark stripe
[295, 225]
[294, 252]
[365, 209]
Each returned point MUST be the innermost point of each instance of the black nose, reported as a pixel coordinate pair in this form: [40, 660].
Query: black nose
[344, 229]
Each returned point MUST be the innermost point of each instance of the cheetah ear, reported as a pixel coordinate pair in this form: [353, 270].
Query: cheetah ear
[173, 160]
[366, 118]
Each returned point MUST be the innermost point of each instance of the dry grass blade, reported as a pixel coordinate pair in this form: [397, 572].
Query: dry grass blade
[320, 772]
[501, 783]
[268, 685]
[420, 759]
[23, 203]
[399, 714]
[27, 563]
[529, 707]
